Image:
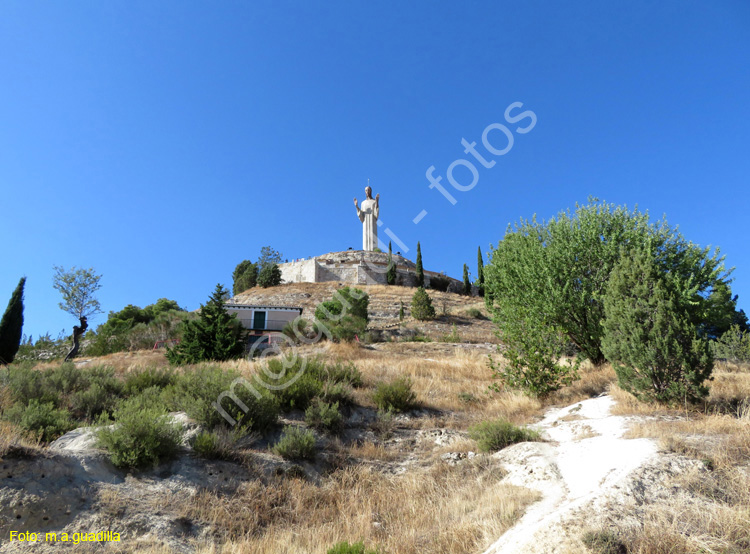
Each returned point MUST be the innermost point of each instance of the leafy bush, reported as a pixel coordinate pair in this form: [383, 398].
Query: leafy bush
[338, 372]
[551, 277]
[336, 392]
[197, 389]
[324, 416]
[346, 548]
[345, 316]
[532, 364]
[218, 444]
[396, 396]
[142, 379]
[440, 282]
[296, 444]
[421, 306]
[143, 435]
[28, 384]
[495, 435]
[649, 334]
[101, 393]
[734, 345]
[41, 419]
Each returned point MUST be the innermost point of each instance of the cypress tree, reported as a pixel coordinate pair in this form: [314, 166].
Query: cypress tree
[401, 312]
[480, 271]
[467, 283]
[420, 270]
[391, 273]
[11, 325]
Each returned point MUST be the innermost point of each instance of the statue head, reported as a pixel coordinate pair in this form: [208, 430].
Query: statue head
[368, 192]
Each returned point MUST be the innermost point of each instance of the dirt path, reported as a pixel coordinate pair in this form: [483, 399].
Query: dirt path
[586, 456]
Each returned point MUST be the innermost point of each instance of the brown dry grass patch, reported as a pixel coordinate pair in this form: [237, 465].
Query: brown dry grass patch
[16, 442]
[447, 509]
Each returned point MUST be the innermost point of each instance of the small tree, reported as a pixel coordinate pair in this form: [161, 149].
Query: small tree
[78, 287]
[421, 305]
[480, 272]
[649, 334]
[268, 256]
[401, 311]
[420, 269]
[270, 276]
[390, 275]
[215, 335]
[11, 325]
[244, 276]
[467, 283]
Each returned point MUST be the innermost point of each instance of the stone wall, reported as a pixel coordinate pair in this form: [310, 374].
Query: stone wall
[355, 267]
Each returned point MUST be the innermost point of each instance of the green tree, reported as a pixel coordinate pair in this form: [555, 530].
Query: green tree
[269, 276]
[650, 333]
[480, 272]
[390, 274]
[401, 311]
[244, 276]
[78, 287]
[552, 276]
[421, 305]
[345, 316]
[268, 256]
[467, 283]
[420, 269]
[215, 335]
[11, 325]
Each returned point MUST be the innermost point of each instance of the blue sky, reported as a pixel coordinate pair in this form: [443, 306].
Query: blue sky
[161, 143]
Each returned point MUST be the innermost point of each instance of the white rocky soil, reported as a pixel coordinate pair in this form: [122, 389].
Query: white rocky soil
[585, 461]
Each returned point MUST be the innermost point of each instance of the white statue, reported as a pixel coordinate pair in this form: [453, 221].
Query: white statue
[368, 215]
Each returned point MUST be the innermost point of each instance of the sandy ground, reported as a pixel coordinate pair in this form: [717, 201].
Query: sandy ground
[586, 457]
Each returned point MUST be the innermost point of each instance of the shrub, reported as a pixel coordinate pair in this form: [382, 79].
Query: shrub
[42, 419]
[453, 336]
[532, 365]
[396, 396]
[384, 424]
[28, 384]
[440, 282]
[475, 313]
[296, 444]
[324, 416]
[734, 345]
[421, 306]
[604, 542]
[495, 435]
[338, 372]
[140, 380]
[336, 392]
[346, 548]
[197, 389]
[143, 435]
[345, 316]
[649, 334]
[217, 444]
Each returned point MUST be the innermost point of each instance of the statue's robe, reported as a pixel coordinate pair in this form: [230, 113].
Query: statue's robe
[368, 214]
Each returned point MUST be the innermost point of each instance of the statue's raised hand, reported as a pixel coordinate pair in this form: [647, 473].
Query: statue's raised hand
[355, 201]
[377, 198]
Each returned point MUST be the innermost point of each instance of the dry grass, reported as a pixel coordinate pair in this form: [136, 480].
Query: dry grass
[15, 442]
[447, 509]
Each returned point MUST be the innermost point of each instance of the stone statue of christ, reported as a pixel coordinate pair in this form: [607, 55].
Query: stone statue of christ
[368, 215]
